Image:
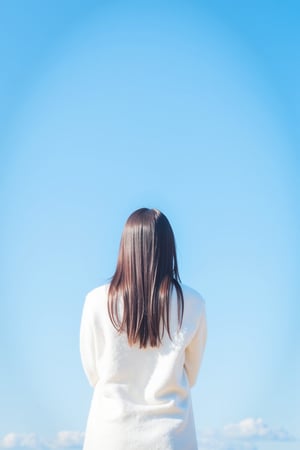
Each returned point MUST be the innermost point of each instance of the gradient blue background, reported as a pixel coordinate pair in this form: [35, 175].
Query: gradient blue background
[190, 107]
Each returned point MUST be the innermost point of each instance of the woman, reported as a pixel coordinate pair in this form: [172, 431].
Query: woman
[142, 339]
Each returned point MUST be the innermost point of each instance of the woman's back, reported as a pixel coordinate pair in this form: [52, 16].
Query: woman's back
[141, 397]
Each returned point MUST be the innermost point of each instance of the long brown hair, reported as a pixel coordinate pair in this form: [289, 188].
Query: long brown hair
[145, 274]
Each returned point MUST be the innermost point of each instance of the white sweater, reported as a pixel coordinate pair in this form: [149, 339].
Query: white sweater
[141, 398]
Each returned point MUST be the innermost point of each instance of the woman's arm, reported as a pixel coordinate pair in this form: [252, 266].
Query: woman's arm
[195, 350]
[87, 345]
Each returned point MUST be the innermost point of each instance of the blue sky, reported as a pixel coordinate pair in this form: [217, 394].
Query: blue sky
[190, 107]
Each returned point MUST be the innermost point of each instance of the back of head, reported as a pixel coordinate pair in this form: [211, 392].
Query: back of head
[146, 271]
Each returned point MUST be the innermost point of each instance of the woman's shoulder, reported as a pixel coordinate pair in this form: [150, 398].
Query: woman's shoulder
[95, 295]
[98, 290]
[193, 299]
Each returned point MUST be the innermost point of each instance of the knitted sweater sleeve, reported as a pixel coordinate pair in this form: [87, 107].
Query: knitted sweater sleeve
[87, 345]
[195, 350]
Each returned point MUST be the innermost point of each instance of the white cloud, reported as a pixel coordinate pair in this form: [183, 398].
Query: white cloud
[14, 440]
[255, 429]
[215, 440]
[63, 439]
[215, 443]
[243, 435]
